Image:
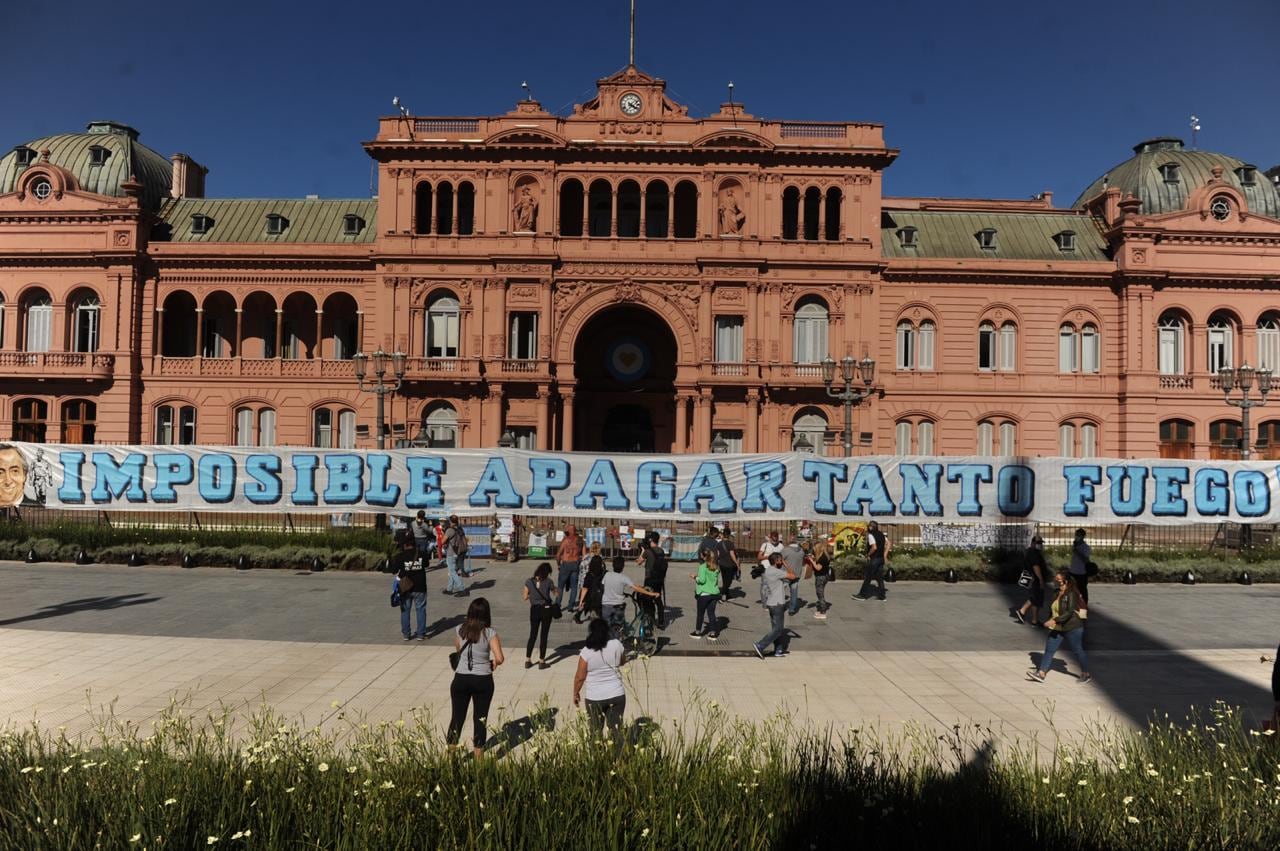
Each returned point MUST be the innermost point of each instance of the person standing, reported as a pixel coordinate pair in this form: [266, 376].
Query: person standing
[770, 547]
[726, 555]
[775, 579]
[706, 595]
[410, 570]
[569, 557]
[592, 588]
[820, 561]
[423, 536]
[1080, 553]
[614, 590]
[599, 677]
[537, 593]
[1033, 563]
[655, 574]
[455, 556]
[877, 557]
[1069, 609]
[794, 557]
[479, 654]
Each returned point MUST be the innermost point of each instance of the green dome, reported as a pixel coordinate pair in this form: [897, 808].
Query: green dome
[124, 157]
[1144, 175]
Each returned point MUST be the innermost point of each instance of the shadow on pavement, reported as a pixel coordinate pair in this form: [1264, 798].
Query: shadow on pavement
[517, 732]
[443, 625]
[1136, 688]
[87, 604]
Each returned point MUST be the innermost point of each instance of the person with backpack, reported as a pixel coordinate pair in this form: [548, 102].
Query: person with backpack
[478, 651]
[411, 577]
[455, 556]
[537, 593]
[599, 678]
[655, 574]
[726, 555]
[1069, 610]
[706, 595]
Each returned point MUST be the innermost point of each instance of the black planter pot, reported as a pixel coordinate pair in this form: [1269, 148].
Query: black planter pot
[952, 576]
[83, 557]
[1246, 578]
[1129, 578]
[890, 576]
[1188, 578]
[32, 557]
[188, 560]
[317, 565]
[135, 559]
[243, 563]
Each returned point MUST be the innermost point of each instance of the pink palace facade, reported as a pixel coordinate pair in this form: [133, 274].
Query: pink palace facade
[632, 278]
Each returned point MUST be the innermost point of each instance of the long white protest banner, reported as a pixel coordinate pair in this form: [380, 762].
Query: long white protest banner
[782, 486]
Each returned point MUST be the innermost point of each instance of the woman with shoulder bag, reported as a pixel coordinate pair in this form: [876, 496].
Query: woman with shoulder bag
[1069, 612]
[479, 653]
[592, 589]
[820, 563]
[537, 593]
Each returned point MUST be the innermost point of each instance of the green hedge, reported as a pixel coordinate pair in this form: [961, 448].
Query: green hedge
[711, 781]
[1000, 565]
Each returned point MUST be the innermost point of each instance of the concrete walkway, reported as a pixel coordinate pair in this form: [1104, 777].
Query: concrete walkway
[74, 639]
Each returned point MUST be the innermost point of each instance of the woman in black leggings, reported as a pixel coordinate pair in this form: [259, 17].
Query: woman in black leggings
[479, 654]
[537, 593]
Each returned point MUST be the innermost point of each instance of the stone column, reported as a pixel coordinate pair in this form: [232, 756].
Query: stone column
[750, 431]
[544, 417]
[671, 213]
[159, 351]
[566, 420]
[586, 212]
[822, 216]
[644, 199]
[279, 333]
[679, 444]
[613, 221]
[318, 351]
[239, 332]
[701, 441]
[199, 332]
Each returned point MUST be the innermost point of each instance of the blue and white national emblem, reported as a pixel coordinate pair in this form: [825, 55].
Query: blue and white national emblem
[628, 359]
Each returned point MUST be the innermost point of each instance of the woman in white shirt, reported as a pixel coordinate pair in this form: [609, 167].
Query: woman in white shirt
[599, 670]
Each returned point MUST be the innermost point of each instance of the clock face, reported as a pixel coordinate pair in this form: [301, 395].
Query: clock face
[631, 103]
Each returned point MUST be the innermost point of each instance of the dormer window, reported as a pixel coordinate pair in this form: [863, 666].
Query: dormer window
[352, 224]
[1248, 175]
[1171, 173]
[98, 155]
[1066, 240]
[986, 239]
[276, 224]
[200, 223]
[907, 237]
[24, 155]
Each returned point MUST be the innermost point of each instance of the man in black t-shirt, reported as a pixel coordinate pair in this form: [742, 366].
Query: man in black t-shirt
[410, 569]
[727, 554]
[877, 557]
[655, 573]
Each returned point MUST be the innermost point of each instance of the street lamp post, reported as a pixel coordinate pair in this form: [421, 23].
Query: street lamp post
[1243, 379]
[380, 386]
[850, 370]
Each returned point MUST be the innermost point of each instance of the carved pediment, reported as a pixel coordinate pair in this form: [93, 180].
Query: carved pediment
[733, 138]
[526, 136]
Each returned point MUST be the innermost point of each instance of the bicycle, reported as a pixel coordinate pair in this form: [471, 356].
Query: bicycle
[639, 635]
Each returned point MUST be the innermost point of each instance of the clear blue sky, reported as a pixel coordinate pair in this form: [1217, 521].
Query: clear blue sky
[984, 99]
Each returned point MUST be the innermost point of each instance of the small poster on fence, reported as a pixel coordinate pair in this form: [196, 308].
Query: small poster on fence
[537, 546]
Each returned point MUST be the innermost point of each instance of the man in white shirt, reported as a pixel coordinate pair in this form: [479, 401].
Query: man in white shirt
[775, 579]
[771, 546]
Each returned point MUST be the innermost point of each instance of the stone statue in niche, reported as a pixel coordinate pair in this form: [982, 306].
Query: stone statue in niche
[732, 216]
[526, 209]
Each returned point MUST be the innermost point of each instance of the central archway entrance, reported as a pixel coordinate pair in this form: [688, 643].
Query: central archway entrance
[625, 363]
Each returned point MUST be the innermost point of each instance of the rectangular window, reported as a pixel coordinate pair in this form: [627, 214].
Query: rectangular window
[906, 345]
[524, 336]
[87, 327]
[323, 436]
[442, 335]
[926, 335]
[987, 347]
[164, 426]
[729, 339]
[1067, 440]
[902, 438]
[39, 327]
[732, 439]
[187, 426]
[924, 438]
[1088, 440]
[526, 437]
[1066, 349]
[1269, 348]
[811, 339]
[1008, 347]
[244, 427]
[1171, 351]
[1090, 350]
[984, 439]
[1219, 349]
[347, 430]
[1008, 439]
[266, 427]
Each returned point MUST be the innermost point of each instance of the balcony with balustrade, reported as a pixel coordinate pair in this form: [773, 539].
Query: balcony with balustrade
[200, 367]
[82, 366]
[794, 374]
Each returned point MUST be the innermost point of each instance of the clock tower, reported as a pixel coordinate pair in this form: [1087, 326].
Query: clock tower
[631, 95]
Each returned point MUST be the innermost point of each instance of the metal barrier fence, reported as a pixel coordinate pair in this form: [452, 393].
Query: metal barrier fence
[618, 534]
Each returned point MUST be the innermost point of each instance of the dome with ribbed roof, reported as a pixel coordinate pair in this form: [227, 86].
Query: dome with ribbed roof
[1163, 173]
[102, 158]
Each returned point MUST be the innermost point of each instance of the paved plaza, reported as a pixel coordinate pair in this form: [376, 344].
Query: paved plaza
[75, 639]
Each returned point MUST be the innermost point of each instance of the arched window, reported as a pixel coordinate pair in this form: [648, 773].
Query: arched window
[657, 201]
[267, 427]
[1068, 346]
[924, 437]
[1078, 351]
[30, 418]
[444, 208]
[571, 208]
[334, 428]
[923, 433]
[1008, 347]
[1177, 439]
[441, 424]
[466, 209]
[1267, 446]
[86, 323]
[600, 209]
[927, 334]
[1172, 344]
[812, 204]
[244, 426]
[985, 433]
[811, 331]
[986, 346]
[790, 212]
[834, 197]
[1220, 343]
[813, 426]
[686, 210]
[255, 427]
[422, 208]
[1067, 440]
[341, 324]
[1088, 440]
[902, 438]
[1269, 342]
[1090, 352]
[628, 209]
[1005, 431]
[79, 421]
[442, 329]
[176, 425]
[39, 322]
[1008, 439]
[1224, 439]
[906, 345]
